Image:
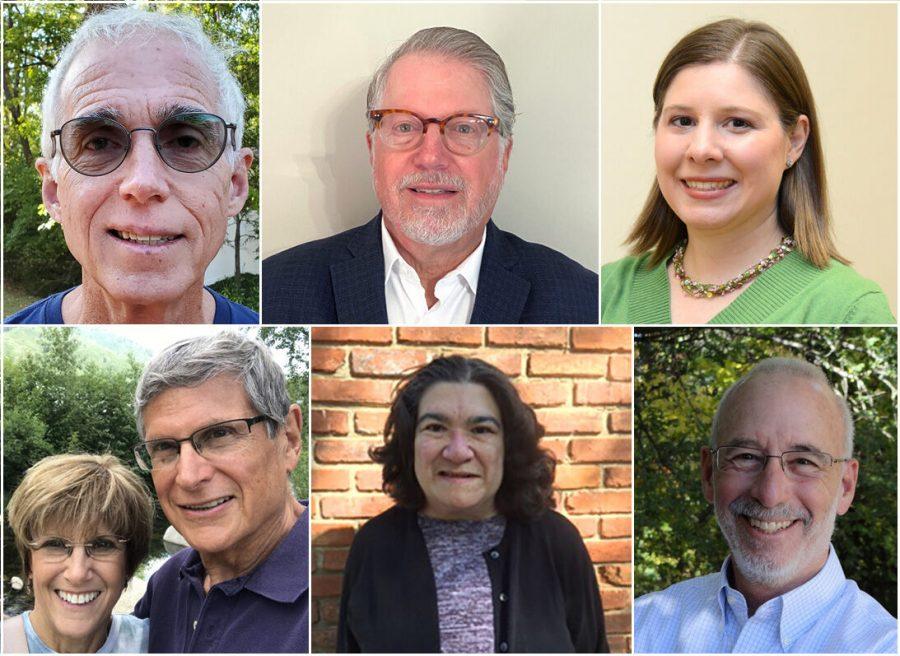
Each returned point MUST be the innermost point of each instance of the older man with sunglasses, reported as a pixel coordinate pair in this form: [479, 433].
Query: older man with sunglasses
[779, 470]
[220, 439]
[440, 115]
[141, 167]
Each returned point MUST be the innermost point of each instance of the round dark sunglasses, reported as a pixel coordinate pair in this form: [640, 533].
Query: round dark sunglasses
[190, 142]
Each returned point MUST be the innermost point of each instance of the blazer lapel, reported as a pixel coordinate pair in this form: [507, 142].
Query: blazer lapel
[358, 283]
[501, 294]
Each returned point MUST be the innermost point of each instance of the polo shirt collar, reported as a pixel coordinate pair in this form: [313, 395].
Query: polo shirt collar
[267, 580]
[795, 611]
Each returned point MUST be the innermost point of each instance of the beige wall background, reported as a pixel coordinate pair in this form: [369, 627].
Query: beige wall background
[850, 56]
[315, 64]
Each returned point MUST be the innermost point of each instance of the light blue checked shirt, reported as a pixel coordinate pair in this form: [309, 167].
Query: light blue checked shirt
[827, 614]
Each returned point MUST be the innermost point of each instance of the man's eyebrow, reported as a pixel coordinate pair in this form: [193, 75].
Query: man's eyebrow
[803, 446]
[794, 446]
[742, 441]
[173, 109]
[108, 113]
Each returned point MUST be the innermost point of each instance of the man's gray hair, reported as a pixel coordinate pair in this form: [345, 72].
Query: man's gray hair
[453, 43]
[793, 367]
[122, 24]
[192, 362]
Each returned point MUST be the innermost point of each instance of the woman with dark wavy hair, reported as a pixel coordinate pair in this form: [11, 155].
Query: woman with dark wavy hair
[472, 558]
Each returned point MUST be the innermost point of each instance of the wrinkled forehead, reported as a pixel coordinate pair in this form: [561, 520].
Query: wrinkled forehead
[137, 80]
[781, 410]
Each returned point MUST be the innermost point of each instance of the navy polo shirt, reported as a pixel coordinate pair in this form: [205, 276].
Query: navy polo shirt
[49, 311]
[264, 611]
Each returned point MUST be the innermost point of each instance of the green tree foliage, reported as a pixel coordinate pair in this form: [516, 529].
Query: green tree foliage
[57, 402]
[36, 257]
[294, 343]
[680, 374]
[74, 393]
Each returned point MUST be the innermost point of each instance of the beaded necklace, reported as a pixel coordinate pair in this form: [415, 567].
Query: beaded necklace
[709, 290]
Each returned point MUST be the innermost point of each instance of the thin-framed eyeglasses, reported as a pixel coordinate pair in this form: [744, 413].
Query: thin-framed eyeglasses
[56, 550]
[796, 464]
[189, 142]
[462, 134]
[211, 442]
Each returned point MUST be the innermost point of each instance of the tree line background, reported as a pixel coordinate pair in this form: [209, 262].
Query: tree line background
[680, 375]
[37, 262]
[70, 390]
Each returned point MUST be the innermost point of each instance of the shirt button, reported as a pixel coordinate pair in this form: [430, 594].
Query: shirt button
[495, 555]
[503, 596]
[504, 647]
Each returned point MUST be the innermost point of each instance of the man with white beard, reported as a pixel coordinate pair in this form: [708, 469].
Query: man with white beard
[778, 470]
[440, 118]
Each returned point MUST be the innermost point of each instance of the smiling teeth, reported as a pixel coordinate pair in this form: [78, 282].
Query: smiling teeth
[207, 506]
[78, 599]
[768, 527]
[708, 186]
[434, 191]
[147, 240]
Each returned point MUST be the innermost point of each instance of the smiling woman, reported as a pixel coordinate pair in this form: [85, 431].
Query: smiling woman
[82, 525]
[736, 228]
[472, 558]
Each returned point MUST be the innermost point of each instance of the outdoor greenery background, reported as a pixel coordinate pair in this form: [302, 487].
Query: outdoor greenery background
[37, 261]
[680, 374]
[69, 390]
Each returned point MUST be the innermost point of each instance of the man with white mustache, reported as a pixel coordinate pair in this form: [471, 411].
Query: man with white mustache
[441, 113]
[779, 469]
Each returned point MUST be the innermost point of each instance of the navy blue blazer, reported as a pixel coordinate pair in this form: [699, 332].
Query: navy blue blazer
[340, 279]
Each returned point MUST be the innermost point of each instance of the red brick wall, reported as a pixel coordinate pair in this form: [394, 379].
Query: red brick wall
[578, 380]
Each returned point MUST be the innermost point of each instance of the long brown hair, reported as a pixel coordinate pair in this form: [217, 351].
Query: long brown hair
[802, 198]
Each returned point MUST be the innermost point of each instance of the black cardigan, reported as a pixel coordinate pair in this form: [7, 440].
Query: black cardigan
[543, 585]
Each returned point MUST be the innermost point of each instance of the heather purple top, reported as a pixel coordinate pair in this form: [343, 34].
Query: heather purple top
[464, 598]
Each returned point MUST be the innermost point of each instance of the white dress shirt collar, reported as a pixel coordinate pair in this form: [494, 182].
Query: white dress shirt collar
[405, 295]
[796, 610]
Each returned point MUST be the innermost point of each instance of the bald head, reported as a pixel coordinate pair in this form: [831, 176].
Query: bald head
[803, 383]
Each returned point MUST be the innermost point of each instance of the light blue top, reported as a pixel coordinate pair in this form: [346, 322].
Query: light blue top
[828, 613]
[127, 635]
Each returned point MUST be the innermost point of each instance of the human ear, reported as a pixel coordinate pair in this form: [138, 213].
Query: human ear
[848, 485]
[240, 181]
[508, 150]
[49, 188]
[797, 138]
[293, 430]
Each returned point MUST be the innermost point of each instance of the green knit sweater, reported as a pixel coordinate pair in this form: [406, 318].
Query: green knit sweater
[791, 292]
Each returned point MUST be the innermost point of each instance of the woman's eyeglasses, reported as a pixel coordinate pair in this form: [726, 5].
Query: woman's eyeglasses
[55, 550]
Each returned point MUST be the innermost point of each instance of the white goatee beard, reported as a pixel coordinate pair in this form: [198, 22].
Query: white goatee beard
[766, 569]
[440, 226]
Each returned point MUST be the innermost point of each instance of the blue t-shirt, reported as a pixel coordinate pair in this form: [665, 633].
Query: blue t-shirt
[49, 311]
[127, 635]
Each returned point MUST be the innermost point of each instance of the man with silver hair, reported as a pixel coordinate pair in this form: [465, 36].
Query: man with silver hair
[220, 438]
[432, 255]
[141, 166]
[779, 470]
